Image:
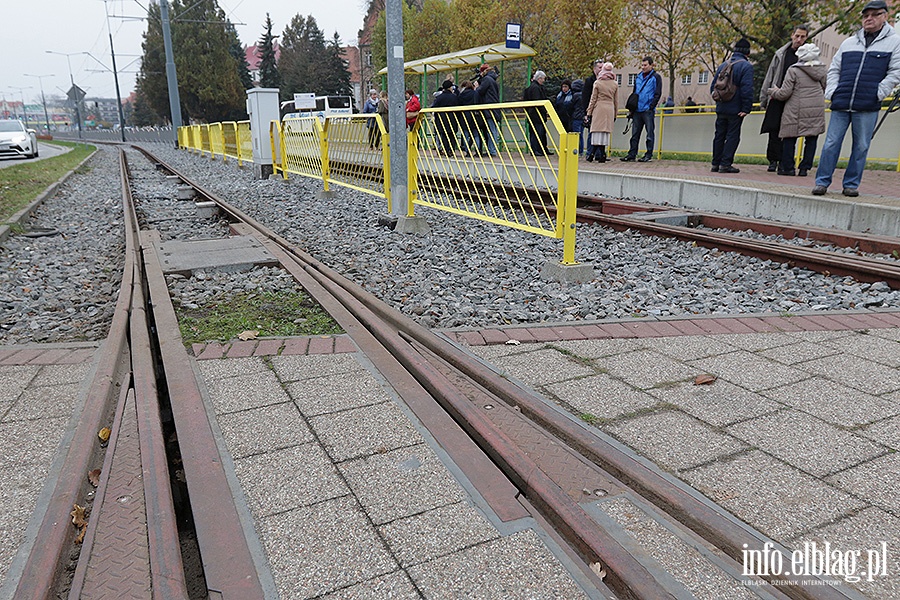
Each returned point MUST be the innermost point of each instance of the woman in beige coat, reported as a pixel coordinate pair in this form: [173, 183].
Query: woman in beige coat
[601, 111]
[803, 92]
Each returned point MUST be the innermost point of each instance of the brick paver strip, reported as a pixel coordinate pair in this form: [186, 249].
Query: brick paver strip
[712, 326]
[641, 330]
[198, 349]
[737, 325]
[889, 317]
[295, 346]
[472, 338]
[268, 347]
[783, 323]
[24, 356]
[687, 327]
[321, 345]
[760, 325]
[494, 336]
[663, 328]
[593, 332]
[568, 333]
[77, 356]
[50, 357]
[616, 330]
[213, 351]
[7, 357]
[543, 334]
[879, 320]
[343, 344]
[853, 321]
[242, 349]
[826, 323]
[519, 333]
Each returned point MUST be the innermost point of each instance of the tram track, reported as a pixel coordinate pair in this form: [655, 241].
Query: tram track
[494, 412]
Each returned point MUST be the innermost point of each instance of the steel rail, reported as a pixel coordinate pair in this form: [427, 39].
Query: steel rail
[700, 515]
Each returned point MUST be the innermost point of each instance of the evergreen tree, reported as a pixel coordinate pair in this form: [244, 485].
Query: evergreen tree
[309, 63]
[236, 49]
[335, 76]
[269, 76]
[142, 114]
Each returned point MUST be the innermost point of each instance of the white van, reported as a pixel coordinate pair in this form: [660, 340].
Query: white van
[325, 106]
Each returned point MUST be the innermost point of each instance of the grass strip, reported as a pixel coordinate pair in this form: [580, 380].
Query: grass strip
[21, 184]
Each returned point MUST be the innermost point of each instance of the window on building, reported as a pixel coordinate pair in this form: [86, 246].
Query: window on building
[686, 79]
[368, 59]
[631, 78]
[703, 77]
[619, 78]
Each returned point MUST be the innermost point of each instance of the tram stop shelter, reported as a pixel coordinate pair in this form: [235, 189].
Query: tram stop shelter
[465, 60]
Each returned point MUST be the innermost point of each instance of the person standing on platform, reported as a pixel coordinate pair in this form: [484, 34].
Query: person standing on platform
[537, 131]
[730, 113]
[488, 92]
[413, 106]
[864, 71]
[446, 121]
[383, 111]
[467, 118]
[648, 86]
[577, 125]
[602, 109]
[587, 88]
[784, 57]
[803, 94]
[371, 107]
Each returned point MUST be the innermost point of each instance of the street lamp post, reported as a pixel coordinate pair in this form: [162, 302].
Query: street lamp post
[22, 94]
[118, 96]
[43, 101]
[72, 81]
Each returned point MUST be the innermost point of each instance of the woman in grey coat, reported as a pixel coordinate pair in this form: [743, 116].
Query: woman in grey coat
[803, 93]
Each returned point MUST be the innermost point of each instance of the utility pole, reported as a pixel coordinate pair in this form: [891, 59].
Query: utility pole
[393, 17]
[43, 101]
[22, 94]
[171, 75]
[73, 89]
[112, 53]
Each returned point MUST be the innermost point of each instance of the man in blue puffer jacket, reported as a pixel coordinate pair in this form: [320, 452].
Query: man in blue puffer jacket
[862, 74]
[730, 114]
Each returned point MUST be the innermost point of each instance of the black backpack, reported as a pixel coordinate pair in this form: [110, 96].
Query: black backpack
[724, 88]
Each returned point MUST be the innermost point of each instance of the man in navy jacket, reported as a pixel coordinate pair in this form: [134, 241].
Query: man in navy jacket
[648, 86]
[864, 71]
[730, 115]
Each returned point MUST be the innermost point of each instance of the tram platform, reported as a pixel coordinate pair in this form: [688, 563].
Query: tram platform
[346, 494]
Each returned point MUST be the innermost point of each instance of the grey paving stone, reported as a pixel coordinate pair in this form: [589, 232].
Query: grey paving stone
[264, 429]
[60, 374]
[877, 481]
[401, 483]
[332, 394]
[322, 548]
[703, 579]
[395, 586]
[792, 354]
[601, 396]
[673, 439]
[888, 333]
[690, 347]
[296, 367]
[833, 402]
[885, 432]
[260, 388]
[436, 533]
[720, 403]
[856, 372]
[749, 370]
[816, 337]
[646, 368]
[770, 495]
[753, 342]
[869, 347]
[14, 380]
[598, 348]
[50, 401]
[806, 442]
[495, 351]
[231, 367]
[364, 431]
[288, 478]
[514, 567]
[864, 532]
[541, 367]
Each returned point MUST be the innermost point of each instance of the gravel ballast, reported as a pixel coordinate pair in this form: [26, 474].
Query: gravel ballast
[464, 273]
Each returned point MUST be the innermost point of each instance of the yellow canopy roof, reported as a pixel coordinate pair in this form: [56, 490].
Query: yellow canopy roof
[465, 58]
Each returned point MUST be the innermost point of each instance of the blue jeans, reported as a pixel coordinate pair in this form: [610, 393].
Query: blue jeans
[489, 134]
[861, 125]
[640, 121]
[726, 139]
[578, 127]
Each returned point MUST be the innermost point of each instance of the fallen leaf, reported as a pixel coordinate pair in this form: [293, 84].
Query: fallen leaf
[512, 342]
[103, 434]
[704, 379]
[78, 516]
[598, 570]
[248, 335]
[80, 538]
[94, 477]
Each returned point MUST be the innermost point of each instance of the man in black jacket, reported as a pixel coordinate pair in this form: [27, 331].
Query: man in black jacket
[445, 121]
[537, 131]
[488, 92]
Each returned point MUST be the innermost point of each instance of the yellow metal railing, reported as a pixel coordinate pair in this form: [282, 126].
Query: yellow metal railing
[216, 140]
[301, 148]
[244, 142]
[512, 164]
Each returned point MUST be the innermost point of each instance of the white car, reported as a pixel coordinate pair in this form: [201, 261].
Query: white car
[15, 140]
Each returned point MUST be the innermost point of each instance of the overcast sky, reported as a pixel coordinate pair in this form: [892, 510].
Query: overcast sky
[31, 27]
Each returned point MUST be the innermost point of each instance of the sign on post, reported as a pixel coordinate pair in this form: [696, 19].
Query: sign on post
[513, 35]
[302, 101]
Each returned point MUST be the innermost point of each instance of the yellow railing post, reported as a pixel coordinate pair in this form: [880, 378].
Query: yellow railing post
[659, 138]
[568, 193]
[412, 161]
[324, 149]
[386, 161]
